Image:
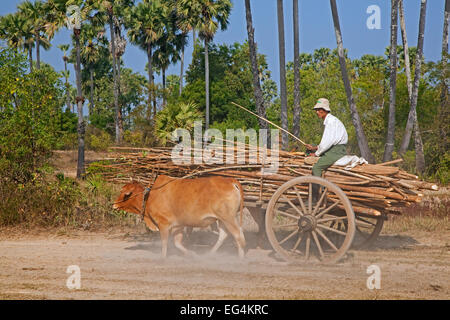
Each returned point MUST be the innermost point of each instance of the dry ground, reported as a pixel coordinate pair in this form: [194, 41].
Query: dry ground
[127, 265]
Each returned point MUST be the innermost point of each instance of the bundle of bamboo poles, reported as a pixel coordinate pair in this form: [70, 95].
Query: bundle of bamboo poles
[372, 189]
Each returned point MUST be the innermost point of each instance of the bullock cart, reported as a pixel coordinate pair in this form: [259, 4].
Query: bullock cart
[351, 208]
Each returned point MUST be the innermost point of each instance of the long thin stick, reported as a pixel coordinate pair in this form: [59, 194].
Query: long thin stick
[271, 123]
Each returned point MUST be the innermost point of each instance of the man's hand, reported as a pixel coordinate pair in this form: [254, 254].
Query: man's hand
[310, 147]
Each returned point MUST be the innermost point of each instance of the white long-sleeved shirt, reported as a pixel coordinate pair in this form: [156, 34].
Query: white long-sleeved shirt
[333, 134]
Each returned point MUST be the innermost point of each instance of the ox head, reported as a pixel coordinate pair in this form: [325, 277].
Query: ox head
[130, 198]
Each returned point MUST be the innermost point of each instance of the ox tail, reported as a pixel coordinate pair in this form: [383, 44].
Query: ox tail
[241, 206]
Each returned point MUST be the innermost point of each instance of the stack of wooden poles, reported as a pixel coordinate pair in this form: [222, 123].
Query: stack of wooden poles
[372, 189]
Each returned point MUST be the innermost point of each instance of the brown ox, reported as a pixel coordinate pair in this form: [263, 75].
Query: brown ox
[175, 203]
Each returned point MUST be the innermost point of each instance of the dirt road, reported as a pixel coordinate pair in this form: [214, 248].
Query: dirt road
[121, 265]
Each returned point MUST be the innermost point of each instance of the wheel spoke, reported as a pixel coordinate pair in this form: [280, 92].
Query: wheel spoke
[331, 219]
[288, 237]
[327, 209]
[300, 200]
[316, 240]
[308, 244]
[364, 223]
[332, 230]
[310, 198]
[293, 206]
[327, 240]
[320, 202]
[287, 214]
[287, 225]
[298, 242]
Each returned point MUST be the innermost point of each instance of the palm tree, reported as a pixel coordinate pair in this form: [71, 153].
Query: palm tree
[167, 52]
[145, 24]
[415, 90]
[282, 60]
[64, 48]
[257, 91]
[362, 140]
[113, 12]
[420, 156]
[186, 23]
[34, 14]
[444, 108]
[18, 34]
[91, 39]
[389, 148]
[296, 106]
[56, 18]
[212, 15]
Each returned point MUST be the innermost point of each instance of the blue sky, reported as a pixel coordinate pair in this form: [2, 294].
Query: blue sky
[316, 30]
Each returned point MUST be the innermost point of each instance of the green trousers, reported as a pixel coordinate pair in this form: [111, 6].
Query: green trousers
[328, 158]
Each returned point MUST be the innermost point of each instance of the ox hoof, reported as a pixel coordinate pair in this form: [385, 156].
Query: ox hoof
[190, 254]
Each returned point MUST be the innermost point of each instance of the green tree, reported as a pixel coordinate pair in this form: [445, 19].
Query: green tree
[212, 15]
[29, 117]
[175, 116]
[145, 24]
[34, 14]
[64, 48]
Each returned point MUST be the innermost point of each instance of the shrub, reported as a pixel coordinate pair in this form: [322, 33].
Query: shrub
[97, 139]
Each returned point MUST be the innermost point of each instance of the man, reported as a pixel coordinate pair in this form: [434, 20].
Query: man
[332, 147]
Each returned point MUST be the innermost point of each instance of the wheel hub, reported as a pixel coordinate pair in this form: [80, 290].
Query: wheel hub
[307, 223]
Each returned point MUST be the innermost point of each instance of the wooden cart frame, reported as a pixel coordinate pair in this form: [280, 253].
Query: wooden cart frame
[301, 230]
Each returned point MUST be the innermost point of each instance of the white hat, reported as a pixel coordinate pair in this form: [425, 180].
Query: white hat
[323, 103]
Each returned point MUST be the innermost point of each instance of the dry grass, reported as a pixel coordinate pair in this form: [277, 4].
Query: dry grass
[430, 215]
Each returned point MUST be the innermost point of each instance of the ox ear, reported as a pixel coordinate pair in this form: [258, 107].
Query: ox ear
[127, 194]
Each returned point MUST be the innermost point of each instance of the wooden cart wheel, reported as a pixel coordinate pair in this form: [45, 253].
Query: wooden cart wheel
[367, 230]
[300, 230]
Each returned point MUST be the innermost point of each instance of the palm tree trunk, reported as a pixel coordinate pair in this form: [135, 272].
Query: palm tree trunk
[389, 147]
[297, 109]
[30, 54]
[282, 60]
[420, 155]
[119, 115]
[116, 93]
[68, 103]
[150, 80]
[405, 48]
[181, 71]
[80, 99]
[91, 98]
[207, 84]
[164, 86]
[257, 91]
[38, 53]
[412, 116]
[362, 140]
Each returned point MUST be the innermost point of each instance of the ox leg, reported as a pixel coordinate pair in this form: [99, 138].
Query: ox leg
[164, 233]
[178, 238]
[222, 236]
[237, 234]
